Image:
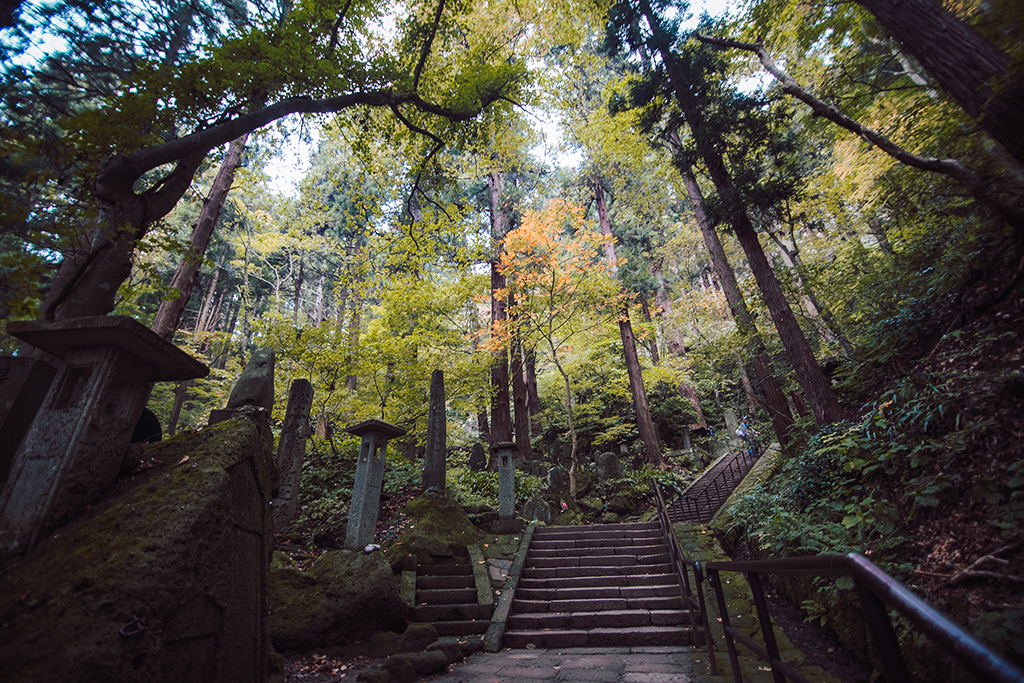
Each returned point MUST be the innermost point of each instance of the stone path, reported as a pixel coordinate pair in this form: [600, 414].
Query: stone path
[649, 664]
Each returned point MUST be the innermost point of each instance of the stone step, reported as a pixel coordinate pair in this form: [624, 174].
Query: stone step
[454, 581]
[443, 570]
[451, 612]
[446, 596]
[598, 581]
[636, 549]
[539, 621]
[595, 592]
[577, 561]
[599, 637]
[594, 528]
[597, 604]
[578, 533]
[570, 543]
[461, 627]
[576, 571]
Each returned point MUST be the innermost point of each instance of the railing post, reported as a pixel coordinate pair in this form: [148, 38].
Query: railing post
[754, 579]
[716, 582]
[698, 575]
[882, 633]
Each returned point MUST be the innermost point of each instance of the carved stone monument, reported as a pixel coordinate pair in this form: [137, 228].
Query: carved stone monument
[23, 386]
[72, 453]
[608, 467]
[556, 480]
[291, 450]
[437, 436]
[365, 506]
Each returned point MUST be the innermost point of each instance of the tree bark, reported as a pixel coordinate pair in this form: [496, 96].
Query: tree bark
[169, 314]
[519, 399]
[641, 409]
[501, 418]
[652, 342]
[971, 69]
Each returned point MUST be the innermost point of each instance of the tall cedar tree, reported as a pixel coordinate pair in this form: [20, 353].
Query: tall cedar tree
[688, 74]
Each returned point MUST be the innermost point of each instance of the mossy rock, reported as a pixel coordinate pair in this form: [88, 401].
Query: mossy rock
[623, 502]
[591, 504]
[165, 581]
[437, 525]
[344, 596]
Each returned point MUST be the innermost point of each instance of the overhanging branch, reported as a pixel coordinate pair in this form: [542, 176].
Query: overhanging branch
[954, 168]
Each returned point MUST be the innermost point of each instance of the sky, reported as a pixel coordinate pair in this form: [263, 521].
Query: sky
[293, 159]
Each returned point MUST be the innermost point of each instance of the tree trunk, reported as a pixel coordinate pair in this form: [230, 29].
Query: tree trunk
[813, 381]
[652, 341]
[775, 400]
[501, 418]
[675, 345]
[298, 291]
[533, 398]
[967, 66]
[574, 459]
[169, 314]
[520, 401]
[644, 423]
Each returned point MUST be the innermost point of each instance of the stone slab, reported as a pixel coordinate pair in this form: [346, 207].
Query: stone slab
[57, 337]
[23, 386]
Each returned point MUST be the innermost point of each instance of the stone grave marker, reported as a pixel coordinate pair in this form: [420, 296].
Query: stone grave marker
[608, 467]
[477, 458]
[365, 506]
[291, 451]
[23, 386]
[71, 455]
[556, 480]
[436, 450]
[687, 441]
[253, 394]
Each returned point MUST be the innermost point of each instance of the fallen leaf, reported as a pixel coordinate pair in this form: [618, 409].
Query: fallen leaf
[183, 460]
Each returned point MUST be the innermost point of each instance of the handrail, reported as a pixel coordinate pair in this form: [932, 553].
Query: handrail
[680, 564]
[875, 588]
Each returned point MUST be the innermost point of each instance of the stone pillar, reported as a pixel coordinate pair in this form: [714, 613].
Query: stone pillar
[291, 450]
[23, 386]
[437, 436]
[731, 423]
[504, 451]
[365, 506]
[72, 453]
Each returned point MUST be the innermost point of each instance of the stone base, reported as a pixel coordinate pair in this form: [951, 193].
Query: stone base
[507, 526]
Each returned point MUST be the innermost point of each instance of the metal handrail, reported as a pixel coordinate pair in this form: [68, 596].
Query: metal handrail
[875, 588]
[681, 565]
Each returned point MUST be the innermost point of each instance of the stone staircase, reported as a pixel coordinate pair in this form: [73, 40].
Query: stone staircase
[708, 493]
[597, 586]
[447, 597]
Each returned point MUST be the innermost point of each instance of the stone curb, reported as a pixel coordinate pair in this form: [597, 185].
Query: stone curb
[492, 639]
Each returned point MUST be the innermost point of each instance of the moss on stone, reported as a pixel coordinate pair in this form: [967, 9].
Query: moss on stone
[159, 542]
[437, 526]
[345, 595]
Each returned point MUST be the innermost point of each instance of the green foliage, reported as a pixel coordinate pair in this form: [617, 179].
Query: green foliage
[466, 484]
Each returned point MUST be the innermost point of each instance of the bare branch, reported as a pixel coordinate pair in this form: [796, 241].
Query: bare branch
[954, 168]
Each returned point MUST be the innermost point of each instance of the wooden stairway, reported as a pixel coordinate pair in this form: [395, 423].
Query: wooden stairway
[597, 586]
